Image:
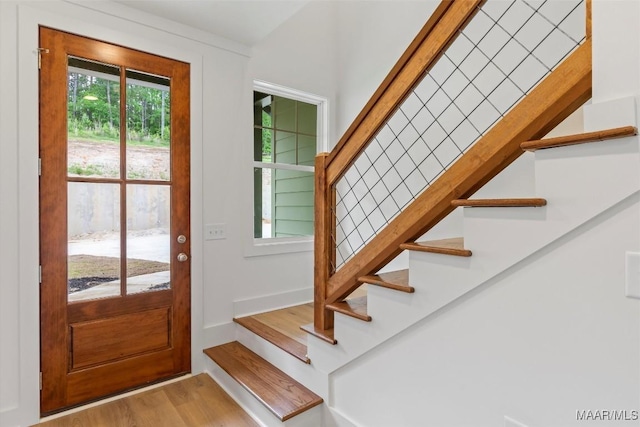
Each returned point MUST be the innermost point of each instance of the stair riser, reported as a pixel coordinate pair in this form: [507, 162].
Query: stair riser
[516, 180]
[609, 169]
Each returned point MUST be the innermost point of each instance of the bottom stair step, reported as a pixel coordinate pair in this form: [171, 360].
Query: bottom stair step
[281, 394]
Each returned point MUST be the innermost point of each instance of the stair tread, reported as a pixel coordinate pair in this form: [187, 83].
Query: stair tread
[354, 307]
[522, 202]
[580, 138]
[397, 280]
[453, 246]
[324, 335]
[280, 393]
[277, 338]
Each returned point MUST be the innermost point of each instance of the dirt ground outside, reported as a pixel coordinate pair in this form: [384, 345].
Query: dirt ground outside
[102, 158]
[86, 271]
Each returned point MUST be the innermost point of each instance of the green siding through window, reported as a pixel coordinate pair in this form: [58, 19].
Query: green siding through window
[290, 127]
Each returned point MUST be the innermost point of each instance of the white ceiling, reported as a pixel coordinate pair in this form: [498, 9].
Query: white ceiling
[244, 21]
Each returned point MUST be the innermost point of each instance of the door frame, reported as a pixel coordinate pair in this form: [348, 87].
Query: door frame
[99, 25]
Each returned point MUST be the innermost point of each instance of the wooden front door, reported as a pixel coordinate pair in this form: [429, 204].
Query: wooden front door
[114, 219]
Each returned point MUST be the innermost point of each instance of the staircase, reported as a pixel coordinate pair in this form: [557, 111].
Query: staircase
[362, 309]
[504, 242]
[497, 235]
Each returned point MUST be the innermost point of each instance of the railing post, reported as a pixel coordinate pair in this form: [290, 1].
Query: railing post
[323, 250]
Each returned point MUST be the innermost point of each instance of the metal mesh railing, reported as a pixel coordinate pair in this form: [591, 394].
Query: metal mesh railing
[503, 53]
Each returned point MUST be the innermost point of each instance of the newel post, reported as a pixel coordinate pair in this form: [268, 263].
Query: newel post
[322, 318]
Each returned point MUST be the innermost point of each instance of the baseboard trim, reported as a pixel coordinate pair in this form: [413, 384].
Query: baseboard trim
[218, 334]
[250, 306]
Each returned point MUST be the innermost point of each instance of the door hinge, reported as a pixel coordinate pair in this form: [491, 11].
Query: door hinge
[39, 166]
[41, 50]
[39, 274]
[40, 380]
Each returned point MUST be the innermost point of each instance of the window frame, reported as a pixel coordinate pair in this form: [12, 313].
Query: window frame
[278, 245]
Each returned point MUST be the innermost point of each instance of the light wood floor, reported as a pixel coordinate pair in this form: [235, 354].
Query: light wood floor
[196, 401]
[288, 320]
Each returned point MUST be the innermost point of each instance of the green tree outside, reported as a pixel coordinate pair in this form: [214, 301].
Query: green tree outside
[94, 111]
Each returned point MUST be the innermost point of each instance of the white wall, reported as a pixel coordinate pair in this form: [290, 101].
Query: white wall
[371, 36]
[10, 368]
[618, 72]
[301, 53]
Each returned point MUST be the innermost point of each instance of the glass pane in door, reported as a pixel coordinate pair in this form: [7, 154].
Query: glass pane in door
[93, 119]
[148, 244]
[148, 127]
[93, 228]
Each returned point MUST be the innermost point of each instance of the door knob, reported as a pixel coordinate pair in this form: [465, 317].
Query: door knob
[182, 257]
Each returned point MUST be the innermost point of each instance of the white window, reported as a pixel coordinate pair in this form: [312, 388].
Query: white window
[289, 129]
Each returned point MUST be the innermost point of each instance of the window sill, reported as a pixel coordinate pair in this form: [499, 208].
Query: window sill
[264, 247]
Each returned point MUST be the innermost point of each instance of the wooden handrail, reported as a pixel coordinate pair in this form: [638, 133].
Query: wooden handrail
[554, 99]
[448, 19]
